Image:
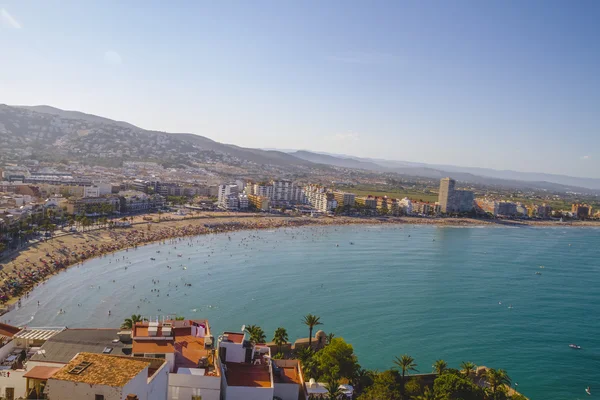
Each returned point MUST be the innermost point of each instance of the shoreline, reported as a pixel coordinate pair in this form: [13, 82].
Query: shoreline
[40, 261]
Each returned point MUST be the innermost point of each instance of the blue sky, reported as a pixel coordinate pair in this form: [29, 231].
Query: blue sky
[497, 84]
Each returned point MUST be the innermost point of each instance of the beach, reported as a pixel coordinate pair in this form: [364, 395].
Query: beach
[41, 260]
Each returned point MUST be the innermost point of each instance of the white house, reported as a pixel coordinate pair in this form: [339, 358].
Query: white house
[107, 377]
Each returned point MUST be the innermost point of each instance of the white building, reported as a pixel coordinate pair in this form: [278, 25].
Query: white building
[406, 204]
[320, 198]
[107, 377]
[243, 201]
[187, 348]
[226, 192]
[249, 373]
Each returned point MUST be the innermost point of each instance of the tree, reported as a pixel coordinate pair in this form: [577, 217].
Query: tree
[311, 321]
[330, 337]
[454, 386]
[338, 356]
[440, 366]
[468, 367]
[385, 386]
[496, 378]
[159, 215]
[428, 394]
[2, 247]
[257, 335]
[406, 364]
[280, 337]
[333, 388]
[129, 323]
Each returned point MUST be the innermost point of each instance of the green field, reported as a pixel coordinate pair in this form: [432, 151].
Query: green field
[393, 193]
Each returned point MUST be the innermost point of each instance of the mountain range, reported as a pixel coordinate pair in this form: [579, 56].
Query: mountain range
[52, 133]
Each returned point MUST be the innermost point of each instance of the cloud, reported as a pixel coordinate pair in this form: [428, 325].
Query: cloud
[345, 137]
[9, 19]
[111, 57]
[586, 157]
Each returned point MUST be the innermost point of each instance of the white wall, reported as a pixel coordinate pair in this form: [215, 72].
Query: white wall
[287, 391]
[159, 385]
[138, 386]
[66, 390]
[248, 393]
[235, 351]
[14, 380]
[183, 386]
[7, 349]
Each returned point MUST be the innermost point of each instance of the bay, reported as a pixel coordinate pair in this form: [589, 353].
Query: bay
[431, 292]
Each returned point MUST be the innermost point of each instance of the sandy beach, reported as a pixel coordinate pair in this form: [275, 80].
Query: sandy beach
[41, 260]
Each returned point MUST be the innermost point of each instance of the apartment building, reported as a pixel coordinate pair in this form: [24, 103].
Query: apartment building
[344, 198]
[320, 198]
[452, 200]
[259, 202]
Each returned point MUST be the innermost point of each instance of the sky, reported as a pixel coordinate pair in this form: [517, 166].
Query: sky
[494, 84]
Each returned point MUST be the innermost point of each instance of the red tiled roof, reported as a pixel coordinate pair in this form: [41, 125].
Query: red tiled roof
[40, 372]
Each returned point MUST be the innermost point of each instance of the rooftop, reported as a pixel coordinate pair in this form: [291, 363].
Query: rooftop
[65, 345]
[8, 330]
[37, 333]
[244, 374]
[235, 337]
[289, 372]
[102, 369]
[40, 372]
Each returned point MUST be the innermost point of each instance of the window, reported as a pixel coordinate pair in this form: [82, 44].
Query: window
[99, 397]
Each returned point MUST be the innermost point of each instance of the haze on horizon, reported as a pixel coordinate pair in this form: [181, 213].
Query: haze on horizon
[485, 84]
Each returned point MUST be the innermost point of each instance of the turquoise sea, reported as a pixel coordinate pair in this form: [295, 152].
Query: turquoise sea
[431, 292]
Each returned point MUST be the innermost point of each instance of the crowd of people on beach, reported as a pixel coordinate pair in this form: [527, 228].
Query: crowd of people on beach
[24, 275]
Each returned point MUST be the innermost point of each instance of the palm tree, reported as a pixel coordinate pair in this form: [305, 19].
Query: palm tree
[406, 363]
[311, 321]
[129, 323]
[333, 389]
[468, 367]
[257, 335]
[280, 337]
[496, 378]
[439, 366]
[330, 337]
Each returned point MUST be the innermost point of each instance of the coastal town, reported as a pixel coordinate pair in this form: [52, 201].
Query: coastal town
[176, 358]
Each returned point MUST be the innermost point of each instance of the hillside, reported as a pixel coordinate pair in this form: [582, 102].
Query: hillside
[48, 133]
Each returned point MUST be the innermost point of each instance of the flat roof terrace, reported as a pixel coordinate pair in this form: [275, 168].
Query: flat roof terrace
[243, 374]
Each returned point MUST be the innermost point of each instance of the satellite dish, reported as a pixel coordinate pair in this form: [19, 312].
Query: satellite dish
[243, 328]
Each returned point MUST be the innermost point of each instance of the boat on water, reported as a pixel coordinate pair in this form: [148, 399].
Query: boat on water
[152, 258]
[588, 390]
[538, 273]
[575, 346]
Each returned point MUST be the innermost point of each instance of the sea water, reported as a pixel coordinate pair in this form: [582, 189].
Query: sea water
[460, 294]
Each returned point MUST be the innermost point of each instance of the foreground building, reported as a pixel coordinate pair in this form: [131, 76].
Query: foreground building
[106, 377]
[248, 372]
[187, 348]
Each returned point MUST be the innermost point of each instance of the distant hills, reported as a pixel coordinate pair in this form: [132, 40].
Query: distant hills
[49, 133]
[466, 174]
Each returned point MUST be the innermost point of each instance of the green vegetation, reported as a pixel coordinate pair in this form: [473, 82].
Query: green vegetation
[280, 337]
[311, 321]
[129, 323]
[257, 335]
